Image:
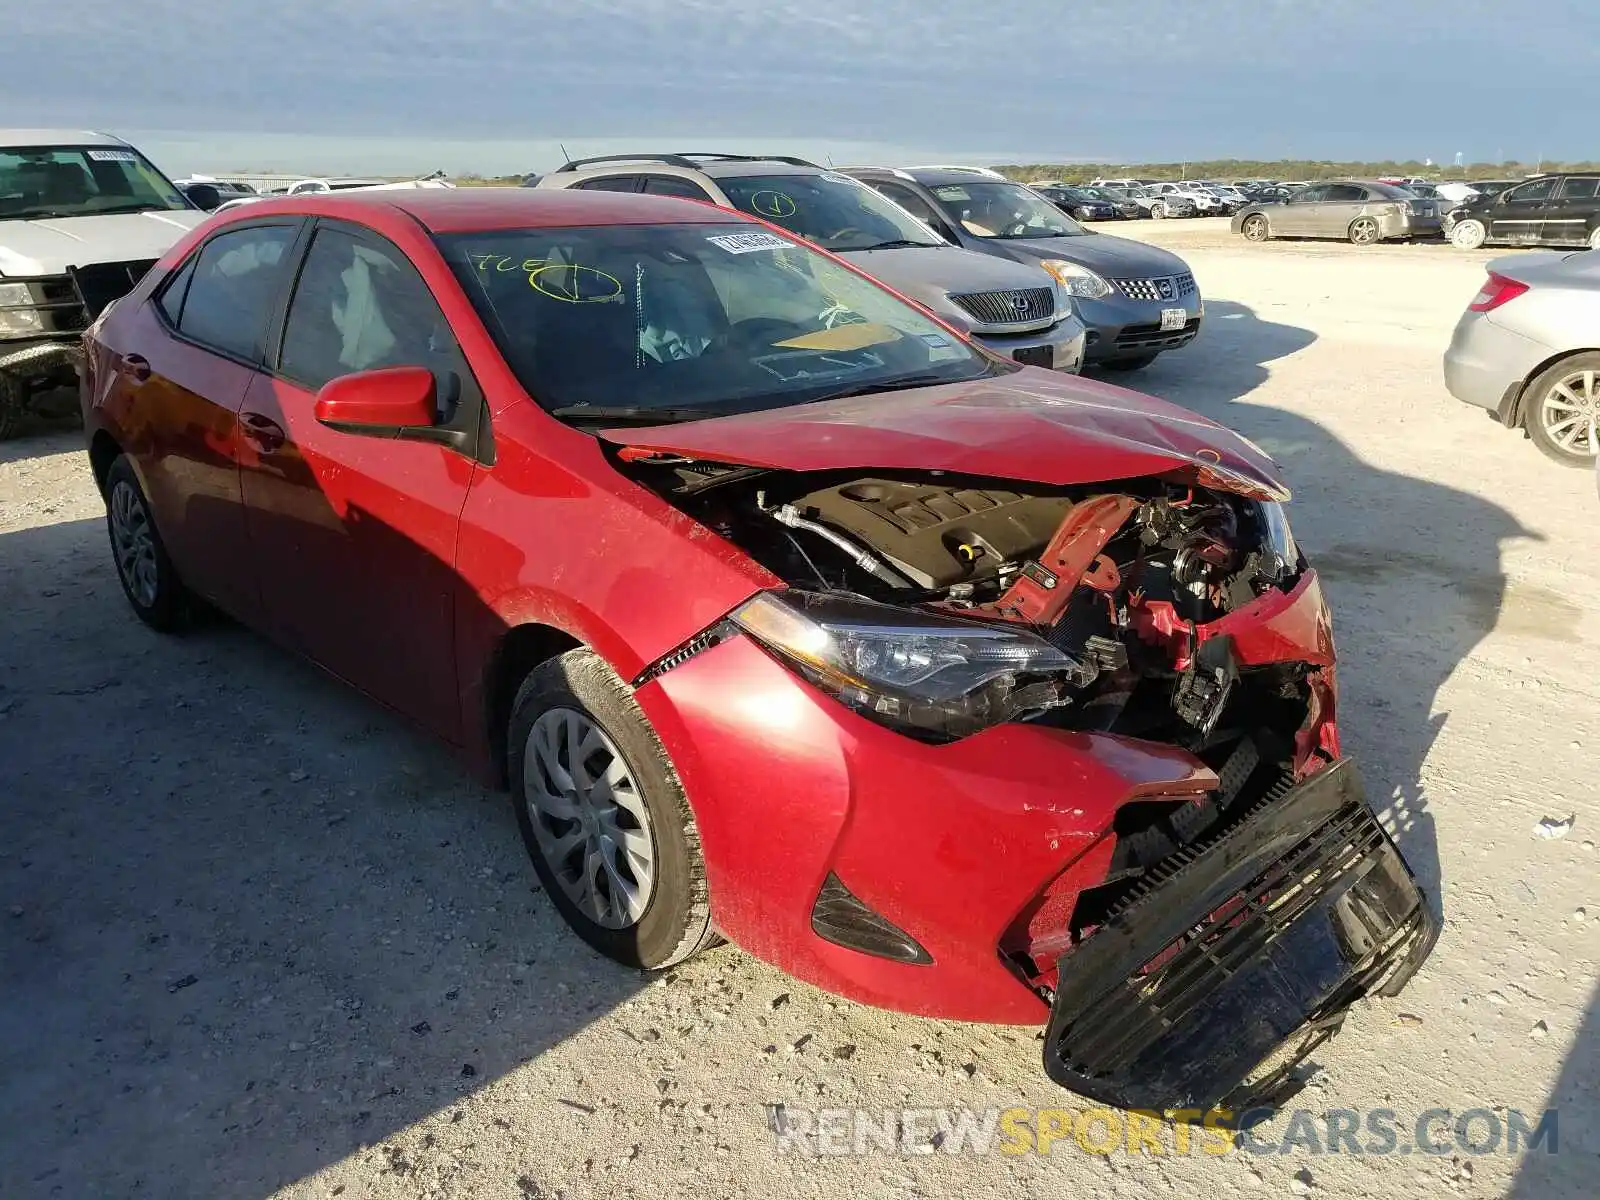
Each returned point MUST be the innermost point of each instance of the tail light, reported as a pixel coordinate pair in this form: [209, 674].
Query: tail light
[1497, 290]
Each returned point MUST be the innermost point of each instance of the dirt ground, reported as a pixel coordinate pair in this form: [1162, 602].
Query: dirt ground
[257, 938]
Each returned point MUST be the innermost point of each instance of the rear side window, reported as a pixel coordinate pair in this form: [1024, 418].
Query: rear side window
[236, 283]
[1344, 193]
[610, 183]
[672, 185]
[358, 307]
[1580, 189]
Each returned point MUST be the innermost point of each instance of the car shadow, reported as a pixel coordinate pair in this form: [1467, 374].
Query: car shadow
[49, 416]
[1567, 1167]
[253, 922]
[1408, 605]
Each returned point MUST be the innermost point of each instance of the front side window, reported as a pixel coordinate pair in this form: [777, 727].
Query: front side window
[1531, 193]
[237, 280]
[700, 319]
[39, 182]
[1003, 210]
[357, 307]
[834, 211]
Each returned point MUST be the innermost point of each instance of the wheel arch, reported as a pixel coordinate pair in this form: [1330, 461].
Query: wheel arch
[1513, 410]
[103, 451]
[519, 651]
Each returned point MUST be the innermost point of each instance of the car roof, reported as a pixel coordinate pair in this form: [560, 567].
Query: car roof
[468, 210]
[713, 166]
[931, 176]
[57, 137]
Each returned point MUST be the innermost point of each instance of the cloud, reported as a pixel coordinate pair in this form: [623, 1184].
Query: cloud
[1155, 78]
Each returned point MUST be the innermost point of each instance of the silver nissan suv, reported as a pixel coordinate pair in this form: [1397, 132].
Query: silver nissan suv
[1018, 311]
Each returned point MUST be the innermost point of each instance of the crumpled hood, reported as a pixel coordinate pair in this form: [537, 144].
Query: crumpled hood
[1032, 425]
[49, 247]
[1103, 253]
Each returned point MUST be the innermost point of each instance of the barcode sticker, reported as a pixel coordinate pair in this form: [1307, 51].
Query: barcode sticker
[113, 156]
[745, 243]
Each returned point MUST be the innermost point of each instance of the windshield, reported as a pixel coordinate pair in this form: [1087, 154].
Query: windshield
[81, 181]
[834, 211]
[693, 320]
[1003, 210]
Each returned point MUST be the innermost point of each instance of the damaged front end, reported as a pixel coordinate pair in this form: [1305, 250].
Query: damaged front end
[1200, 935]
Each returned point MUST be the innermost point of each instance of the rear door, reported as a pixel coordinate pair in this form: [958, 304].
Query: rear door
[1341, 204]
[355, 536]
[1519, 213]
[1574, 212]
[184, 363]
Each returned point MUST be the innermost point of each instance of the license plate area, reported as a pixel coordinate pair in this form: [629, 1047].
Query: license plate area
[1035, 356]
[1282, 922]
[1173, 319]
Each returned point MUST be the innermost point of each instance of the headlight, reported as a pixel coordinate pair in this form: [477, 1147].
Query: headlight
[923, 674]
[1280, 541]
[1079, 281]
[18, 315]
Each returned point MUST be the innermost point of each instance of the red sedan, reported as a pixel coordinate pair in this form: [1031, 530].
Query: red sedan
[784, 612]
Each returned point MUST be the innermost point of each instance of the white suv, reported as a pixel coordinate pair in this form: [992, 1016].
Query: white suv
[82, 217]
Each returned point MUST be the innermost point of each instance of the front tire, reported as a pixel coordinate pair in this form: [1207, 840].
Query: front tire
[1468, 234]
[1562, 411]
[148, 578]
[1158, 210]
[1364, 231]
[604, 817]
[1255, 228]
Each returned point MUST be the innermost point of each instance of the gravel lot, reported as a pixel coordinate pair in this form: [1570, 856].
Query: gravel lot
[257, 936]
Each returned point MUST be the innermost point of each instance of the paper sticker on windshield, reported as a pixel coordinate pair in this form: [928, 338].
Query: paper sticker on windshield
[113, 156]
[745, 243]
[952, 192]
[835, 177]
[936, 340]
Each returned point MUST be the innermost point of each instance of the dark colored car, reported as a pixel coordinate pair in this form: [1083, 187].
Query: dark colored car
[969, 689]
[1552, 210]
[1137, 300]
[1077, 203]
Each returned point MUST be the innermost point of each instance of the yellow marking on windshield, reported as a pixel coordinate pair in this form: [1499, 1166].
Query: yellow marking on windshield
[856, 336]
[773, 204]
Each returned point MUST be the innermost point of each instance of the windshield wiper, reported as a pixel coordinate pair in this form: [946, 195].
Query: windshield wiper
[893, 385]
[892, 244]
[633, 414]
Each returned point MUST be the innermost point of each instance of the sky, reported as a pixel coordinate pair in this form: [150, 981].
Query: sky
[496, 86]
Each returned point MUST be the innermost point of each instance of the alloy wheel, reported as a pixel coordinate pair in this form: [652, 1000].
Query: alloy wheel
[589, 818]
[1364, 231]
[1570, 414]
[1255, 229]
[1468, 234]
[134, 543]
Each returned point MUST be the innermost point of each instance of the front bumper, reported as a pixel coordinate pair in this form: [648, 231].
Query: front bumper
[1122, 327]
[1058, 348]
[1486, 361]
[1263, 938]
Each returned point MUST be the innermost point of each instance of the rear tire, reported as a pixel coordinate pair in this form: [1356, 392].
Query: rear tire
[1561, 410]
[1594, 238]
[1364, 231]
[1255, 228]
[631, 834]
[13, 403]
[1468, 234]
[148, 578]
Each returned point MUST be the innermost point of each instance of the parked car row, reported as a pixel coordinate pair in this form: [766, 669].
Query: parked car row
[992, 255]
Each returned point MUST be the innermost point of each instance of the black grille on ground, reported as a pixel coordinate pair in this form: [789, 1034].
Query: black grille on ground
[101, 283]
[1009, 308]
[1234, 946]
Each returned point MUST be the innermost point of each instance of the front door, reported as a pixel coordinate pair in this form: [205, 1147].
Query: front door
[1297, 217]
[1519, 213]
[355, 537]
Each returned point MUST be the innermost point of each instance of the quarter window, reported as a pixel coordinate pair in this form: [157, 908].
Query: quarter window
[236, 282]
[609, 183]
[358, 308]
[172, 295]
[672, 185]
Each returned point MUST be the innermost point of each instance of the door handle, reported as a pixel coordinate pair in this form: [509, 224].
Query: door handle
[263, 431]
[135, 367]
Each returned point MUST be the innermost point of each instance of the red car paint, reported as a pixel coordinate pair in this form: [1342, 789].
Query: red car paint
[408, 569]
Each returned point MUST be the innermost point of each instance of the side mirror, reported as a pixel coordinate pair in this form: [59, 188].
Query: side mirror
[206, 196]
[382, 403]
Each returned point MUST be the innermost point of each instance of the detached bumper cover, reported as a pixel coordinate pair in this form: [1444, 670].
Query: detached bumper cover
[1276, 928]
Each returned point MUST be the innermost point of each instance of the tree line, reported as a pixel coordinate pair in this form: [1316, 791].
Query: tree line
[1292, 169]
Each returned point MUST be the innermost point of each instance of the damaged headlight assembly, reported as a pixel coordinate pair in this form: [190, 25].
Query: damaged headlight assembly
[19, 313]
[920, 673]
